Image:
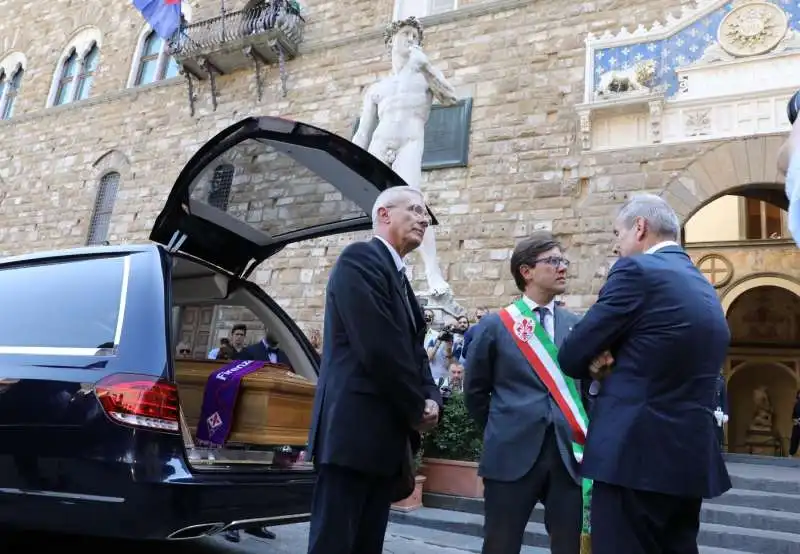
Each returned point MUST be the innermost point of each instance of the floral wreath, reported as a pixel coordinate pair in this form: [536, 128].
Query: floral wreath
[394, 26]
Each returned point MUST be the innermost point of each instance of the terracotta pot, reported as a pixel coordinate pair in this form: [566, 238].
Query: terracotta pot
[414, 501]
[452, 477]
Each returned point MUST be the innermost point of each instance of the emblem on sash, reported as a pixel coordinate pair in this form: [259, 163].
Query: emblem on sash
[524, 329]
[214, 421]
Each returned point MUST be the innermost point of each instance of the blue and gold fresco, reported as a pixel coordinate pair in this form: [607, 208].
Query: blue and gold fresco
[681, 48]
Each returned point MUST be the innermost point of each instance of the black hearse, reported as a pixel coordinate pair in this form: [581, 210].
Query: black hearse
[92, 438]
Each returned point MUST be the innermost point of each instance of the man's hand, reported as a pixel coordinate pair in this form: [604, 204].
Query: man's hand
[601, 366]
[430, 417]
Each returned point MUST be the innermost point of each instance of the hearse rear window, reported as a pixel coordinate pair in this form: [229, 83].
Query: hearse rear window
[62, 305]
[277, 188]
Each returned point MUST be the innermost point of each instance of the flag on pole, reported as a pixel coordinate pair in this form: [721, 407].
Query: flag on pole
[164, 16]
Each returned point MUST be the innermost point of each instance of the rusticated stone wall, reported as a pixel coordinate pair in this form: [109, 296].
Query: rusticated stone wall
[522, 62]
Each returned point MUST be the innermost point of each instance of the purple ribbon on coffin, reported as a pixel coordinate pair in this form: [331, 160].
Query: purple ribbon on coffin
[219, 400]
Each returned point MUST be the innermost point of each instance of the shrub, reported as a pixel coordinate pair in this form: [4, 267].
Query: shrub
[456, 437]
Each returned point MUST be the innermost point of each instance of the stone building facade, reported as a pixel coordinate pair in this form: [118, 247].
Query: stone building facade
[554, 142]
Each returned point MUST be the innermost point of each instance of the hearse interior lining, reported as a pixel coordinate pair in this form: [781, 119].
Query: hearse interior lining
[194, 285]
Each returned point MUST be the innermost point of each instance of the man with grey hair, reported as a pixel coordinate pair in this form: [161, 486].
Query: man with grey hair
[375, 392]
[657, 338]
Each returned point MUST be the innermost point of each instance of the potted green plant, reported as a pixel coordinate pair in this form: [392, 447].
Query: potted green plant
[451, 452]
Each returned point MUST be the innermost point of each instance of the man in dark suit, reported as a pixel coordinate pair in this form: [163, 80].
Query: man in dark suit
[651, 448]
[375, 391]
[528, 453]
[265, 350]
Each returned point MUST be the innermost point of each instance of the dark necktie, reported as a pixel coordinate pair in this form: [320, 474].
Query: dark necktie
[406, 287]
[542, 311]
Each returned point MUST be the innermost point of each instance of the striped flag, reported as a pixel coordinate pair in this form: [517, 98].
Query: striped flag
[164, 16]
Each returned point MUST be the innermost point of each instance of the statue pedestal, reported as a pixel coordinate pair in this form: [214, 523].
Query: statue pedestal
[764, 443]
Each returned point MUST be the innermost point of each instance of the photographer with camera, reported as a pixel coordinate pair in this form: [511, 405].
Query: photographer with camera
[440, 354]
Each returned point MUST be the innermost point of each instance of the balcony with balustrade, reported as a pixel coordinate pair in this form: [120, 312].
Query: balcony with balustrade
[267, 33]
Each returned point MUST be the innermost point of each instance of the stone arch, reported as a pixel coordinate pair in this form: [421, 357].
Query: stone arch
[750, 364]
[11, 61]
[113, 160]
[750, 282]
[781, 383]
[723, 169]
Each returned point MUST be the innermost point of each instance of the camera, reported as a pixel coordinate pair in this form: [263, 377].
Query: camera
[447, 334]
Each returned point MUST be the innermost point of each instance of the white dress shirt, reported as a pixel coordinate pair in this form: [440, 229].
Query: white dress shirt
[663, 244]
[549, 318]
[398, 261]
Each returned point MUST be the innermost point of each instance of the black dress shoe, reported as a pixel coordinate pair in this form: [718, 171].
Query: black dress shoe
[232, 536]
[262, 533]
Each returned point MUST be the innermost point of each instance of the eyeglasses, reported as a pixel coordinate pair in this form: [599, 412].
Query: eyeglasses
[554, 261]
[418, 209]
[185, 351]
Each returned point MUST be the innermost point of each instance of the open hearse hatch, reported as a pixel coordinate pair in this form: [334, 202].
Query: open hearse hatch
[263, 183]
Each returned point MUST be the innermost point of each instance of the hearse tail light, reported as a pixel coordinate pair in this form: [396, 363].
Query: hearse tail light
[139, 400]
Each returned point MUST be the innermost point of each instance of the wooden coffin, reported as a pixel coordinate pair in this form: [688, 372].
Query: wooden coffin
[273, 407]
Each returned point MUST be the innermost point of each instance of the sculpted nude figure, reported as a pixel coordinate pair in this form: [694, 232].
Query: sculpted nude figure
[393, 117]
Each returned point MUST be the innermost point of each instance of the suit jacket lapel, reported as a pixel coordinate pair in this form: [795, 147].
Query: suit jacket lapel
[398, 284]
[561, 326]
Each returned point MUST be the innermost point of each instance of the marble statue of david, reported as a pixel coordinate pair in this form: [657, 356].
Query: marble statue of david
[393, 117]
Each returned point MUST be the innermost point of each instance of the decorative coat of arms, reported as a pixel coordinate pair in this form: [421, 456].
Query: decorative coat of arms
[524, 329]
[752, 28]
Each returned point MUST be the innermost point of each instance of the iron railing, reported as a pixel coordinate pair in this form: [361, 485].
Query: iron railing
[221, 30]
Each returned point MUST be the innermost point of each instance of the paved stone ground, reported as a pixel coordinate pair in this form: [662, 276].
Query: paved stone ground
[292, 539]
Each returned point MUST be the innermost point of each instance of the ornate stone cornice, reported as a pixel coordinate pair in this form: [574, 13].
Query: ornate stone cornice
[657, 30]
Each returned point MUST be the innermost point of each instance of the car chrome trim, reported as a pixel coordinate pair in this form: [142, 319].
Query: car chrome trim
[202, 530]
[271, 519]
[123, 298]
[65, 495]
[55, 351]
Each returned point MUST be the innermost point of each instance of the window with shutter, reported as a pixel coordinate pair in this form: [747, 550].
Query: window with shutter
[220, 190]
[103, 208]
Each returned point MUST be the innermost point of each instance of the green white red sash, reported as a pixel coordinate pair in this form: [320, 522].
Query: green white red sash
[542, 354]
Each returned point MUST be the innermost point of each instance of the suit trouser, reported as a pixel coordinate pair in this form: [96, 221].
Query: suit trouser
[508, 505]
[627, 521]
[795, 440]
[349, 512]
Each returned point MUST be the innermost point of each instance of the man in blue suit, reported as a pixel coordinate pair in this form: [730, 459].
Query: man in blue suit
[651, 448]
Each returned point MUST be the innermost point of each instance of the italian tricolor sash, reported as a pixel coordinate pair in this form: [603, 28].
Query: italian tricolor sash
[542, 353]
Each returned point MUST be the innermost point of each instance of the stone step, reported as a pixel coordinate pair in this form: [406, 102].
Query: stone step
[720, 512]
[753, 459]
[471, 543]
[765, 478]
[715, 535]
[775, 501]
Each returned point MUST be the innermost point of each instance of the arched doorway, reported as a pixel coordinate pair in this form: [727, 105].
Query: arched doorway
[733, 208]
[763, 370]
